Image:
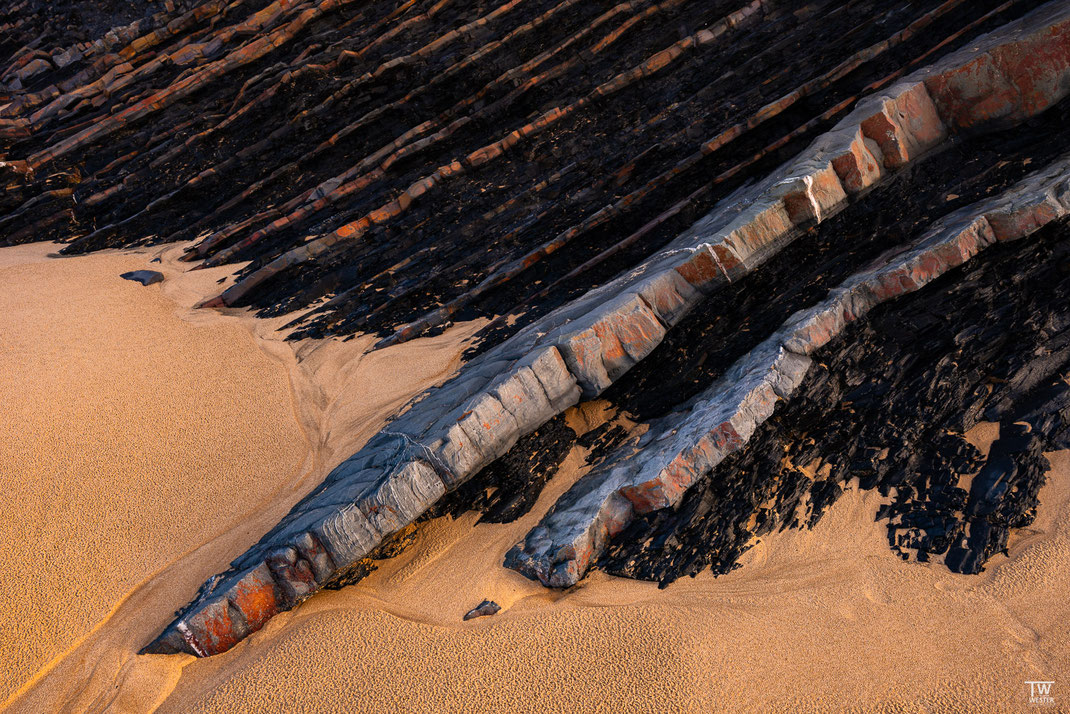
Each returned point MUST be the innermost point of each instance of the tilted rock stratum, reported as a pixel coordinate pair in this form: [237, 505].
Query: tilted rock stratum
[656, 209]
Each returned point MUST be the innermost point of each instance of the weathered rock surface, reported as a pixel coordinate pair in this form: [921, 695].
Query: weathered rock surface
[684, 447]
[885, 406]
[429, 160]
[578, 170]
[582, 348]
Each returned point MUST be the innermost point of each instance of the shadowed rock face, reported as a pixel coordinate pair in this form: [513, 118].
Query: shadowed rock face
[445, 158]
[628, 186]
[885, 404]
[683, 447]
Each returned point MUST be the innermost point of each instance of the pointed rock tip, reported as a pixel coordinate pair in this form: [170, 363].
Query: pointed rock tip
[217, 301]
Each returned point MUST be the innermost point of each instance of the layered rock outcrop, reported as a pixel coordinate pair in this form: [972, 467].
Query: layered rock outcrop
[588, 174]
[581, 349]
[686, 446]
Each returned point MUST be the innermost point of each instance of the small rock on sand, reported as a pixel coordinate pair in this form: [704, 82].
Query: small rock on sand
[487, 607]
[145, 277]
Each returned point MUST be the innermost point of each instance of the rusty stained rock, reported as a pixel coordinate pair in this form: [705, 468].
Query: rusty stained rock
[584, 346]
[683, 447]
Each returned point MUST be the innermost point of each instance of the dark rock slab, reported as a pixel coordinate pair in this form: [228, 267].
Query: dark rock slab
[145, 277]
[884, 407]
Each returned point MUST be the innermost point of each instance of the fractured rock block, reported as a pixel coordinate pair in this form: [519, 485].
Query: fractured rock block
[255, 597]
[222, 620]
[495, 410]
[459, 453]
[951, 243]
[808, 330]
[1041, 198]
[812, 192]
[400, 497]
[32, 69]
[857, 161]
[292, 574]
[319, 560]
[521, 394]
[536, 389]
[1011, 223]
[347, 535]
[1000, 81]
[906, 124]
[601, 346]
[672, 456]
[558, 551]
[934, 256]
[481, 431]
[669, 295]
[721, 420]
[553, 374]
[214, 628]
[759, 231]
[710, 266]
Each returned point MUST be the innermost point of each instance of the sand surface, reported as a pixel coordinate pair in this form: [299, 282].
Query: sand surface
[146, 444]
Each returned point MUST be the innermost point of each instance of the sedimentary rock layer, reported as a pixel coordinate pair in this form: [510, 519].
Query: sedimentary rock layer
[582, 348]
[582, 131]
[405, 163]
[885, 406]
[684, 447]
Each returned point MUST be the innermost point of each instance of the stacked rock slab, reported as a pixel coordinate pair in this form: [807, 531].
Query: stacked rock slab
[669, 458]
[320, 246]
[685, 446]
[580, 349]
[375, 493]
[298, 16]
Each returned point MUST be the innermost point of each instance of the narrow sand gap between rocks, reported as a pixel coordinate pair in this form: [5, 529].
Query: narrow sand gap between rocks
[180, 437]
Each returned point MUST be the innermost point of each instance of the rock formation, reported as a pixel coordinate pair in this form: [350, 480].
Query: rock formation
[624, 188]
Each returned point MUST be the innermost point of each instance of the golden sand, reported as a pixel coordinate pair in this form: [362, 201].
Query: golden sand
[147, 444]
[130, 438]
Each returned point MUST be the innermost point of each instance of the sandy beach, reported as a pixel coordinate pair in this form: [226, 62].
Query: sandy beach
[147, 444]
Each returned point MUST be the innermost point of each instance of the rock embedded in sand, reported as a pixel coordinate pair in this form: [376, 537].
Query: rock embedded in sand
[885, 407]
[483, 609]
[145, 277]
